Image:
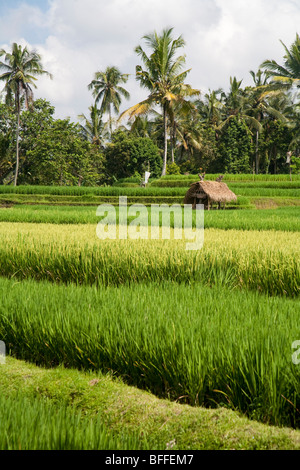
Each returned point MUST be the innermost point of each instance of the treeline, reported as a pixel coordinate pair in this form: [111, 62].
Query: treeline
[176, 129]
[58, 152]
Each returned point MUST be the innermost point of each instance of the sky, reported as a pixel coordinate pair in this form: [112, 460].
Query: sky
[76, 38]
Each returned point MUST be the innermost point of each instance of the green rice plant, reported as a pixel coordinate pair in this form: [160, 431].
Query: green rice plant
[90, 191]
[272, 184]
[281, 219]
[43, 425]
[284, 219]
[174, 192]
[233, 177]
[267, 192]
[8, 200]
[266, 184]
[207, 346]
[267, 261]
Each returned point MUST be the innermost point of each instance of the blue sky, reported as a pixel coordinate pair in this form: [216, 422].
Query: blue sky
[12, 4]
[20, 18]
[76, 38]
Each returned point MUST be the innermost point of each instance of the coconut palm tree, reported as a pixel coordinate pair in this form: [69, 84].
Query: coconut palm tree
[93, 127]
[211, 108]
[182, 116]
[287, 74]
[162, 76]
[20, 69]
[107, 88]
[141, 127]
[237, 104]
[263, 105]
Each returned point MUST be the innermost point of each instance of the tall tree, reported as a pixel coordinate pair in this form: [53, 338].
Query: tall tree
[162, 76]
[289, 73]
[211, 108]
[20, 69]
[94, 129]
[107, 88]
[263, 106]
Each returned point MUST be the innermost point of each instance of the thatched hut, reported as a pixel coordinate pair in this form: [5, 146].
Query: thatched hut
[209, 193]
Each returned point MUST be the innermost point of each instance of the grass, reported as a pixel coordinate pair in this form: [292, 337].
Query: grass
[235, 177]
[90, 191]
[166, 190]
[160, 188]
[218, 347]
[267, 261]
[274, 202]
[285, 218]
[233, 185]
[8, 200]
[28, 424]
[119, 407]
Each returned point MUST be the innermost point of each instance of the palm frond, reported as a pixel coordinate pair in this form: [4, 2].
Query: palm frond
[139, 109]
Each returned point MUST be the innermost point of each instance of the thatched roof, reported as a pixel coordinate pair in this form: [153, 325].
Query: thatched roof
[215, 191]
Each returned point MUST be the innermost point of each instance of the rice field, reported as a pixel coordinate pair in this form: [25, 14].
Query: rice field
[267, 260]
[173, 340]
[213, 327]
[42, 425]
[282, 219]
[168, 187]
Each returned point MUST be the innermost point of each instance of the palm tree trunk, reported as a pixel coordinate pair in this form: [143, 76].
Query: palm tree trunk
[109, 117]
[164, 170]
[173, 140]
[172, 152]
[17, 136]
[256, 154]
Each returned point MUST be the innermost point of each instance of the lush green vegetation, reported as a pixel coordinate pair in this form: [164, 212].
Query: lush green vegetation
[208, 352]
[43, 425]
[212, 328]
[159, 191]
[245, 130]
[283, 219]
[127, 409]
[239, 293]
[267, 261]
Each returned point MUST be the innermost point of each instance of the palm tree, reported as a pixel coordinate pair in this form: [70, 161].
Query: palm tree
[181, 116]
[237, 104]
[20, 68]
[93, 127]
[106, 87]
[211, 108]
[188, 132]
[141, 127]
[287, 74]
[162, 77]
[263, 106]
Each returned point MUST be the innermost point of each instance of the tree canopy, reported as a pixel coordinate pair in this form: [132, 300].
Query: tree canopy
[175, 128]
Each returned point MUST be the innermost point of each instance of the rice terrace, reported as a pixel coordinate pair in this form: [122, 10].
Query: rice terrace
[138, 343]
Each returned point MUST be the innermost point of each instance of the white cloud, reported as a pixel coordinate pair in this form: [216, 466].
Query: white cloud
[26, 20]
[223, 38]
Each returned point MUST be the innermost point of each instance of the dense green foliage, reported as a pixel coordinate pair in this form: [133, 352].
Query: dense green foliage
[126, 155]
[235, 148]
[52, 151]
[243, 130]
